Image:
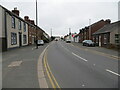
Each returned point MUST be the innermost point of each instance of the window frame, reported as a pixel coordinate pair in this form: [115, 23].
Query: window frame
[13, 22]
[13, 38]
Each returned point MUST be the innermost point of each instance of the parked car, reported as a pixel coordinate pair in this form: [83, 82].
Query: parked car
[88, 43]
[40, 42]
[68, 41]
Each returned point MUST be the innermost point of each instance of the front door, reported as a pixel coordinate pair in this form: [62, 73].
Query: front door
[20, 39]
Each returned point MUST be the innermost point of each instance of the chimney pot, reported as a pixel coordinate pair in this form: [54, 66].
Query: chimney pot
[16, 11]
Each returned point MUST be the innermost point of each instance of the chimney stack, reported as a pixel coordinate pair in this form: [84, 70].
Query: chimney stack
[26, 18]
[16, 11]
[108, 21]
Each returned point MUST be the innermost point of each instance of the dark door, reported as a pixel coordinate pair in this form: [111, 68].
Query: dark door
[20, 40]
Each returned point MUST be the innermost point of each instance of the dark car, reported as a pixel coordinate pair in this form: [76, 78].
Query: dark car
[88, 43]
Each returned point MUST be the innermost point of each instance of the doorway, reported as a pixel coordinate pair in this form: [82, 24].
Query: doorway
[20, 39]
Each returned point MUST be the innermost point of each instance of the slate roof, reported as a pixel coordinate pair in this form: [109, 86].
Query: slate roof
[108, 28]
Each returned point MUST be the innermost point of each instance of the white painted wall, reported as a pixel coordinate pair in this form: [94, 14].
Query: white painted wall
[76, 39]
[2, 27]
[16, 30]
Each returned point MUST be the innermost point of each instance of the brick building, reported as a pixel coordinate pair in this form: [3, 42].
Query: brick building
[108, 36]
[86, 33]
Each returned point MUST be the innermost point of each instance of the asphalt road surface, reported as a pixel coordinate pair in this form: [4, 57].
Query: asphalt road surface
[73, 67]
[19, 67]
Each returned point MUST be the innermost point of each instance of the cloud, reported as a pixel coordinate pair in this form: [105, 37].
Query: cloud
[60, 15]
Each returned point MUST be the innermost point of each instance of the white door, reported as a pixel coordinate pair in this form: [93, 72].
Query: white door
[100, 40]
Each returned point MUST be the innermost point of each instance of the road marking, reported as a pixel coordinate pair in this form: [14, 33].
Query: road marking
[52, 74]
[98, 52]
[41, 76]
[112, 72]
[49, 73]
[79, 57]
[15, 64]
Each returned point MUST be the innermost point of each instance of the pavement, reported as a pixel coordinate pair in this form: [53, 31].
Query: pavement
[19, 67]
[73, 67]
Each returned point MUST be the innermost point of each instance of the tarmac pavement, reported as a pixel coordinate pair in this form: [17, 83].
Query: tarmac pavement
[19, 67]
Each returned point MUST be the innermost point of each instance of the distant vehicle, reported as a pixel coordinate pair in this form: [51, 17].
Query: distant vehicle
[88, 43]
[68, 41]
[56, 40]
[40, 42]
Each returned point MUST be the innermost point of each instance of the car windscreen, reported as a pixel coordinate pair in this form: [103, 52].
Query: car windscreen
[89, 41]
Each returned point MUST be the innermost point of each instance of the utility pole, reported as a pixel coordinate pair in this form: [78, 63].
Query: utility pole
[36, 26]
[69, 33]
[89, 29]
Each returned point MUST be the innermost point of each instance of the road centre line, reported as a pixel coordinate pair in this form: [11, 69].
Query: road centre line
[112, 72]
[75, 54]
[79, 57]
[99, 53]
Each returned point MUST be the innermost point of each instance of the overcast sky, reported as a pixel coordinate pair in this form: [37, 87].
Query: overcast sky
[60, 15]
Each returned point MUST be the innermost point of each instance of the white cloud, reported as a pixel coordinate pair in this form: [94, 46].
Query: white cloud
[60, 15]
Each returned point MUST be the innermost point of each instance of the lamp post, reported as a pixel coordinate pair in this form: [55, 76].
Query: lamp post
[70, 33]
[89, 29]
[36, 26]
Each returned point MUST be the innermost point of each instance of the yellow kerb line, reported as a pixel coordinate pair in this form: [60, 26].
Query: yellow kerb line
[48, 72]
[52, 75]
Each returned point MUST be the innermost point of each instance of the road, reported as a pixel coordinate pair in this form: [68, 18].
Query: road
[73, 67]
[19, 67]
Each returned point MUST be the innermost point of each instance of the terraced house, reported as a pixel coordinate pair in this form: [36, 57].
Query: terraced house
[17, 32]
[14, 29]
[109, 35]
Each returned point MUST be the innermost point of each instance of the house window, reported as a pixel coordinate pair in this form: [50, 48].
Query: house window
[24, 27]
[105, 38]
[13, 38]
[19, 25]
[13, 22]
[117, 38]
[24, 39]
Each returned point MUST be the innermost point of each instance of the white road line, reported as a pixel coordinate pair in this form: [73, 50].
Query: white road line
[15, 64]
[112, 72]
[79, 57]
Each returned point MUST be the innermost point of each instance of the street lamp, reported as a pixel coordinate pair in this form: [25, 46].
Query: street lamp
[89, 29]
[36, 26]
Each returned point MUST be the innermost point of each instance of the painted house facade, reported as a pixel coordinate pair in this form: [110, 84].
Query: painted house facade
[76, 38]
[108, 36]
[14, 28]
[18, 32]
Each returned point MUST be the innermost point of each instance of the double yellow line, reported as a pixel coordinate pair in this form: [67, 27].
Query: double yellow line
[49, 73]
